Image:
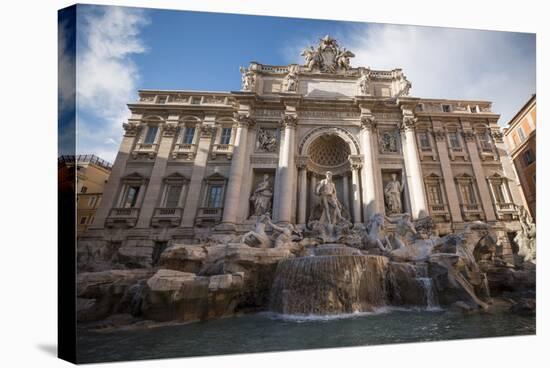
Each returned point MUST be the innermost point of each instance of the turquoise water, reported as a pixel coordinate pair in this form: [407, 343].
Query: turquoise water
[270, 332]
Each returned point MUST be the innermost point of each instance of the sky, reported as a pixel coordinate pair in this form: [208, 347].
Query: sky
[120, 50]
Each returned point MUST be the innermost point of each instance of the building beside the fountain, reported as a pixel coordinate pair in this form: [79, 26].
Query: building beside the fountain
[194, 163]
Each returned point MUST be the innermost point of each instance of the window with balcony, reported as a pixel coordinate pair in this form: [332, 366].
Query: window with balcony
[485, 142]
[467, 193]
[189, 135]
[173, 193]
[434, 194]
[225, 136]
[151, 135]
[130, 196]
[214, 199]
[454, 140]
[424, 139]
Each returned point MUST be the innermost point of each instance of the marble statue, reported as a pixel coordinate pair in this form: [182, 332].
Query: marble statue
[248, 79]
[258, 238]
[261, 198]
[290, 83]
[326, 190]
[364, 82]
[267, 141]
[526, 237]
[284, 235]
[403, 227]
[311, 58]
[373, 238]
[392, 193]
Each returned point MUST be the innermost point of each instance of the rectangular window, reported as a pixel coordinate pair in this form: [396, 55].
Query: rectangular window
[83, 189]
[151, 135]
[189, 135]
[528, 157]
[521, 134]
[453, 139]
[485, 141]
[446, 108]
[173, 196]
[226, 136]
[162, 99]
[131, 196]
[83, 220]
[467, 192]
[214, 196]
[420, 107]
[499, 192]
[424, 140]
[434, 194]
[473, 109]
[91, 202]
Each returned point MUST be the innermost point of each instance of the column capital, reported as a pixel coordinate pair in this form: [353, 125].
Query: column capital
[469, 136]
[408, 123]
[497, 135]
[301, 162]
[289, 121]
[206, 130]
[244, 120]
[368, 122]
[169, 130]
[131, 128]
[355, 162]
[440, 135]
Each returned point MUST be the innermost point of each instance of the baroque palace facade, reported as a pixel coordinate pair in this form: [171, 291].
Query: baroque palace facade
[192, 164]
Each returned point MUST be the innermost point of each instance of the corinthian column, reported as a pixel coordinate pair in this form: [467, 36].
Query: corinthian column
[369, 190]
[302, 189]
[355, 164]
[285, 170]
[232, 197]
[412, 166]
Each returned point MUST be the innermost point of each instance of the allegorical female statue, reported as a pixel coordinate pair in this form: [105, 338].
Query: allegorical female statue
[392, 193]
[261, 198]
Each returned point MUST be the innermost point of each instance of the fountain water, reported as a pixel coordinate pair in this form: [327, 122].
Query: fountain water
[334, 279]
[429, 295]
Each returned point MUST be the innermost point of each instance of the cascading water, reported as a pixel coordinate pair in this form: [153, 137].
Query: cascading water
[334, 279]
[429, 296]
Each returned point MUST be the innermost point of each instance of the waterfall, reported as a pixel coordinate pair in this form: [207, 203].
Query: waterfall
[429, 296]
[335, 279]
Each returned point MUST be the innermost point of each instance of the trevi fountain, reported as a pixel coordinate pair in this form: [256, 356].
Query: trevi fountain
[328, 284]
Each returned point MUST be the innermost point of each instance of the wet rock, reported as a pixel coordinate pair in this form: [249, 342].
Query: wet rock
[182, 257]
[507, 279]
[107, 289]
[185, 297]
[404, 287]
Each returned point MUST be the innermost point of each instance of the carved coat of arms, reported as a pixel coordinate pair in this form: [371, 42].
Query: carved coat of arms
[328, 57]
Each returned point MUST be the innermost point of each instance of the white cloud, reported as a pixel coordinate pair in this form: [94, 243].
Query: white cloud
[447, 62]
[106, 75]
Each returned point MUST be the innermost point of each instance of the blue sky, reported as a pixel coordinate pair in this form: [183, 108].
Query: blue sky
[121, 50]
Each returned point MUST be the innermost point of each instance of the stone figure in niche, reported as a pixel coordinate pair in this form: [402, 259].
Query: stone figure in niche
[267, 142]
[258, 238]
[388, 143]
[364, 82]
[290, 82]
[326, 190]
[392, 194]
[403, 228]
[248, 79]
[261, 198]
[526, 237]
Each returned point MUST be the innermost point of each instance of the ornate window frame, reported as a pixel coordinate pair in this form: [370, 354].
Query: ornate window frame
[171, 215]
[207, 215]
[425, 151]
[148, 149]
[470, 211]
[439, 211]
[458, 151]
[482, 134]
[506, 209]
[184, 150]
[224, 149]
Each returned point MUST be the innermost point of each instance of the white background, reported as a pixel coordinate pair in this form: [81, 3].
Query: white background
[28, 121]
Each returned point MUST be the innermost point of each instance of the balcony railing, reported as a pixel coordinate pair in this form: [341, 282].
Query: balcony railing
[184, 149]
[471, 207]
[438, 208]
[506, 206]
[167, 215]
[208, 215]
[222, 149]
[127, 216]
